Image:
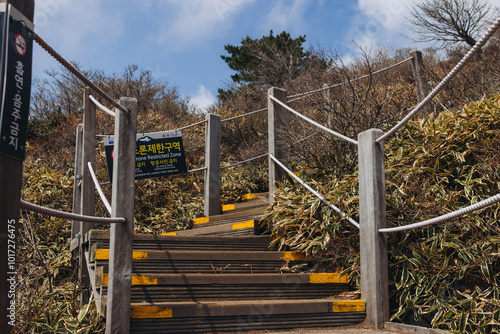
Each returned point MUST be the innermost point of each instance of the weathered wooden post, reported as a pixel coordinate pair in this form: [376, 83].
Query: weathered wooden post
[421, 85]
[15, 104]
[277, 122]
[77, 190]
[212, 203]
[372, 217]
[87, 187]
[121, 235]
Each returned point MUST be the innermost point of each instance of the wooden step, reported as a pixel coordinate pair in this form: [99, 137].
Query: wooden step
[238, 316]
[198, 287]
[209, 262]
[169, 242]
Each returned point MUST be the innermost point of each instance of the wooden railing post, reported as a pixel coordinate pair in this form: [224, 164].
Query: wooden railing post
[87, 188]
[121, 235]
[421, 85]
[212, 202]
[372, 217]
[77, 190]
[277, 123]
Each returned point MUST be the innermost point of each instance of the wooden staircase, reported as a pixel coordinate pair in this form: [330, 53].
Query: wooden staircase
[220, 277]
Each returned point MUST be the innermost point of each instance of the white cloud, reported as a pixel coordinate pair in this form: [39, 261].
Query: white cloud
[203, 98]
[185, 23]
[380, 23]
[78, 27]
[286, 15]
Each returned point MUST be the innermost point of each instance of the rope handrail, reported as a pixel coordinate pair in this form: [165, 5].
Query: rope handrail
[77, 73]
[475, 49]
[103, 108]
[191, 125]
[70, 216]
[313, 122]
[302, 95]
[196, 170]
[471, 208]
[98, 187]
[243, 115]
[245, 161]
[324, 200]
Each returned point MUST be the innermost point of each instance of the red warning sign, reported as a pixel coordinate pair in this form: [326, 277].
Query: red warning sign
[20, 45]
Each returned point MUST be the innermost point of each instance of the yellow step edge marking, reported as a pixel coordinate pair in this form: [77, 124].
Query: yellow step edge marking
[322, 278]
[294, 256]
[136, 280]
[103, 254]
[348, 306]
[169, 233]
[201, 220]
[240, 226]
[227, 207]
[150, 312]
[248, 196]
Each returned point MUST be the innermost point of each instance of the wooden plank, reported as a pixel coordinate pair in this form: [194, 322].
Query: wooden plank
[87, 188]
[212, 203]
[77, 193]
[121, 235]
[372, 217]
[277, 123]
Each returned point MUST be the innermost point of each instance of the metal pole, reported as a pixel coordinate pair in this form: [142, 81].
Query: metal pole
[11, 172]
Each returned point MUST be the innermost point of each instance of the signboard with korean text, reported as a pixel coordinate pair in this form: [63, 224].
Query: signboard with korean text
[16, 90]
[157, 154]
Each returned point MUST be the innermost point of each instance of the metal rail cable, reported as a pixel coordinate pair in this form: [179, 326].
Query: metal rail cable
[471, 208]
[475, 49]
[302, 95]
[76, 72]
[245, 161]
[70, 216]
[324, 200]
[243, 115]
[313, 122]
[103, 108]
[98, 187]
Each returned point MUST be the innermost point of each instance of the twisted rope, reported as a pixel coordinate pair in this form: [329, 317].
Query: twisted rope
[103, 108]
[245, 161]
[446, 217]
[302, 95]
[324, 200]
[98, 187]
[313, 122]
[70, 216]
[190, 126]
[475, 49]
[244, 115]
[77, 73]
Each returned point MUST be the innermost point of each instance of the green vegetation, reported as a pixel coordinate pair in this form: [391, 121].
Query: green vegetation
[442, 276]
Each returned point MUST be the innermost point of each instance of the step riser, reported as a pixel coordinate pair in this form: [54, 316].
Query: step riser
[227, 292]
[211, 267]
[245, 323]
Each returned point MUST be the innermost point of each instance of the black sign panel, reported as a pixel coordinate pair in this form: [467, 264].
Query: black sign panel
[157, 154]
[16, 91]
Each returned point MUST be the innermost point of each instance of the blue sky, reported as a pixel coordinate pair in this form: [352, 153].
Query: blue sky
[181, 41]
